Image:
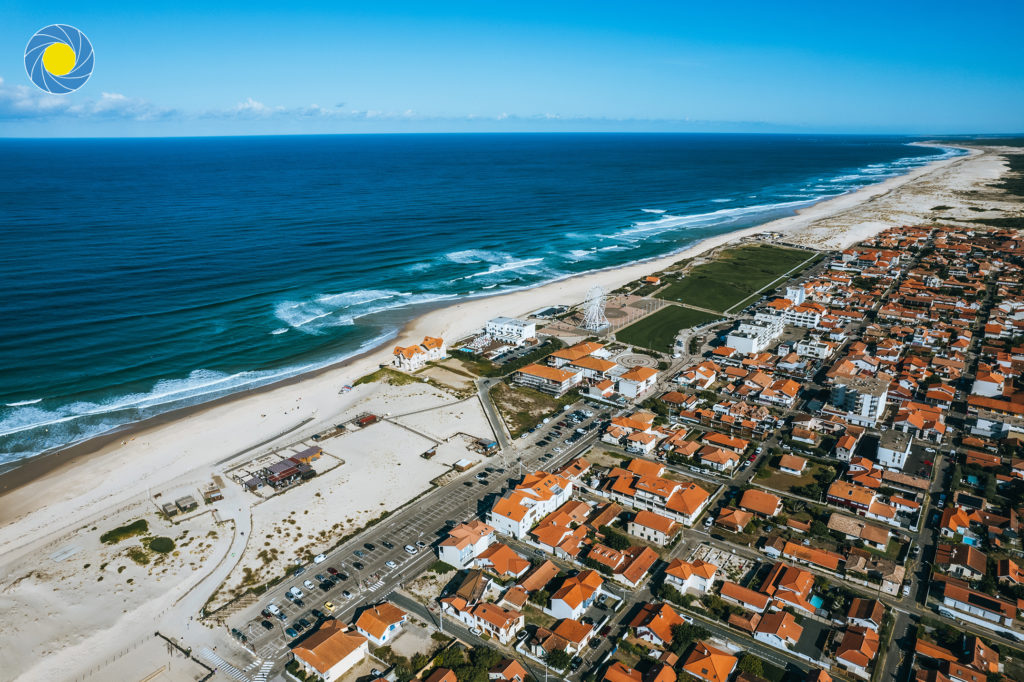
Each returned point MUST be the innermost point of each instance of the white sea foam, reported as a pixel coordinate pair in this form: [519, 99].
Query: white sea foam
[78, 421]
[468, 256]
[653, 210]
[343, 309]
[25, 402]
[280, 330]
[720, 201]
[582, 254]
[724, 215]
[504, 267]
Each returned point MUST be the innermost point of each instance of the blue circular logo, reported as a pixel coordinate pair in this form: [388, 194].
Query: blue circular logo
[59, 59]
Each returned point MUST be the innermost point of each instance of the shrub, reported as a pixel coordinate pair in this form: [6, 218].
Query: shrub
[111, 537]
[161, 544]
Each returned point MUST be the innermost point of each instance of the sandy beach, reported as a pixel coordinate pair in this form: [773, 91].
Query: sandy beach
[53, 504]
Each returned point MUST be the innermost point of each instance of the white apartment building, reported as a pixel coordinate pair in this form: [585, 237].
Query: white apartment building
[465, 542]
[862, 398]
[755, 336]
[537, 496]
[511, 330]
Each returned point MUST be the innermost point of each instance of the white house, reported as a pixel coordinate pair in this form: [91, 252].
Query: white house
[637, 381]
[381, 623]
[988, 384]
[465, 542]
[686, 575]
[412, 358]
[511, 330]
[500, 623]
[575, 596]
[778, 629]
[331, 651]
[653, 527]
[538, 495]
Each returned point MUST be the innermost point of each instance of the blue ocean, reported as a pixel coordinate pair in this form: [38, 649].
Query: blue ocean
[142, 275]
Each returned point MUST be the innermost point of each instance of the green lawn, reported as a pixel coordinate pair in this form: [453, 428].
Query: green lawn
[734, 276]
[658, 331]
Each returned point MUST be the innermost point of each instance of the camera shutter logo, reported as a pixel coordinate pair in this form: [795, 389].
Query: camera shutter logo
[59, 59]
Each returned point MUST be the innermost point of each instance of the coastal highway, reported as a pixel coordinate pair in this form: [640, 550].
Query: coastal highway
[423, 520]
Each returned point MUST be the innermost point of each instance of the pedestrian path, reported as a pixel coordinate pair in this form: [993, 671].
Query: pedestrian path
[231, 671]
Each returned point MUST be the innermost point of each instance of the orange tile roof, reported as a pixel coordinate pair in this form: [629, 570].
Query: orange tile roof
[658, 618]
[649, 519]
[328, 646]
[577, 589]
[547, 373]
[465, 534]
[378, 618]
[689, 499]
[539, 576]
[639, 374]
[620, 672]
[761, 502]
[684, 569]
[645, 467]
[431, 343]
[504, 559]
[572, 630]
[709, 663]
[443, 675]
[578, 351]
[594, 364]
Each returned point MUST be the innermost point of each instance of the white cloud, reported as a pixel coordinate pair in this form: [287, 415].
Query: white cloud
[28, 102]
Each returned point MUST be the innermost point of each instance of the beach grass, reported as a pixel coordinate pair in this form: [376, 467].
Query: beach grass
[734, 276]
[658, 330]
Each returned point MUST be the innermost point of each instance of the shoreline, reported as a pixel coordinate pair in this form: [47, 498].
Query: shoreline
[451, 320]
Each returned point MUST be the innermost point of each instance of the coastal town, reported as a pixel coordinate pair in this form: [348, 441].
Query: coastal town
[768, 462]
[823, 486]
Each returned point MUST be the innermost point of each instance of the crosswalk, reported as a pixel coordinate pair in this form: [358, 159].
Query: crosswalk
[264, 672]
[376, 586]
[231, 671]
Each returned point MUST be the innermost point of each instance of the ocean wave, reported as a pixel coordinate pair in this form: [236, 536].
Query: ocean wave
[720, 201]
[721, 216]
[279, 330]
[324, 311]
[653, 210]
[581, 254]
[28, 430]
[25, 402]
[468, 256]
[505, 267]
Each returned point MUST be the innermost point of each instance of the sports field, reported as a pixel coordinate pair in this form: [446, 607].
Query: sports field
[734, 276]
[658, 331]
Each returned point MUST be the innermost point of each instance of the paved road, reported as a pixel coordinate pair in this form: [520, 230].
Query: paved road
[425, 520]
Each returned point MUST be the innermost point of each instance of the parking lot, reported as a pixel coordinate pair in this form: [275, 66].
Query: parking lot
[367, 578]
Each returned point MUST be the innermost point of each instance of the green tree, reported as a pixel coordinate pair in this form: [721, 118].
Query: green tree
[484, 657]
[684, 634]
[819, 529]
[451, 657]
[751, 665]
[614, 539]
[470, 673]
[557, 659]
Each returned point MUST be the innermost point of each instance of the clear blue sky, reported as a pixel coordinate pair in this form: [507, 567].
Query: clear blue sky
[187, 67]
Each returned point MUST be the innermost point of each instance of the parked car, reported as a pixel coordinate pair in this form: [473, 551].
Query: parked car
[267, 625]
[421, 544]
[390, 564]
[329, 606]
[319, 558]
[360, 553]
[357, 565]
[308, 584]
[387, 544]
[332, 570]
[291, 632]
[273, 609]
[476, 631]
[346, 594]
[320, 577]
[369, 546]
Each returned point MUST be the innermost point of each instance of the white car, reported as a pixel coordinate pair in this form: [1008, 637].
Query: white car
[410, 549]
[319, 558]
[309, 584]
[273, 609]
[390, 564]
[296, 592]
[686, 618]
[476, 631]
